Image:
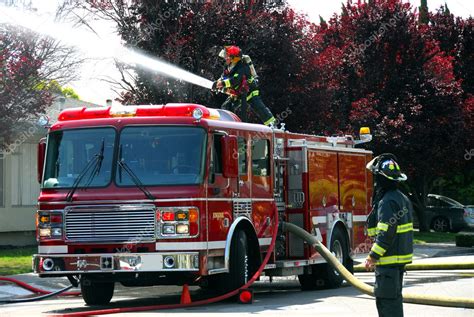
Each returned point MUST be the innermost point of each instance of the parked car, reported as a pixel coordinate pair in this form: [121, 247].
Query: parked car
[446, 214]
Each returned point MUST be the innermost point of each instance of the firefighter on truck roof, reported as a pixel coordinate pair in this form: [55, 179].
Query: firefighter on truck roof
[391, 223]
[239, 81]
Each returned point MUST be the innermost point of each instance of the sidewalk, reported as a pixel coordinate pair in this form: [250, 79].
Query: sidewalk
[10, 290]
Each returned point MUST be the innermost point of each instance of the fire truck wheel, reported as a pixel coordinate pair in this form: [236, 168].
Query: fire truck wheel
[96, 293]
[340, 250]
[239, 261]
[323, 275]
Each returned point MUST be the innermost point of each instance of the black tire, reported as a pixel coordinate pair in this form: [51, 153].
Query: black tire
[340, 249]
[310, 281]
[325, 276]
[96, 293]
[440, 224]
[239, 269]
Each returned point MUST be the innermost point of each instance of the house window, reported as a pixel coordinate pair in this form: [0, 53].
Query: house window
[260, 158]
[24, 185]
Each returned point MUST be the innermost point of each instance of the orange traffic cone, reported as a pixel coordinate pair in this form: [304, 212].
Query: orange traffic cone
[185, 297]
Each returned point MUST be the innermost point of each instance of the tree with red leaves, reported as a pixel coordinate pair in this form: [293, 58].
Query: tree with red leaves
[455, 37]
[27, 64]
[191, 35]
[19, 77]
[379, 67]
[374, 65]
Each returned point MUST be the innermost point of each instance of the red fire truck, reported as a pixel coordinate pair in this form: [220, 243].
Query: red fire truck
[181, 193]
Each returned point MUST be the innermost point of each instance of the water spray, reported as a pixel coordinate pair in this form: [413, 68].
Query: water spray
[95, 47]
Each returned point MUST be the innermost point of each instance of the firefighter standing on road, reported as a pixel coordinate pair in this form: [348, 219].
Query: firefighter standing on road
[391, 222]
[239, 81]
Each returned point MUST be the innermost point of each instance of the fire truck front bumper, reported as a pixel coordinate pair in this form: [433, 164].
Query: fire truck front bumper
[64, 264]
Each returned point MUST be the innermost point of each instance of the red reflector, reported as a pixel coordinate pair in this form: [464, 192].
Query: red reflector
[246, 296]
[56, 219]
[158, 216]
[193, 229]
[168, 216]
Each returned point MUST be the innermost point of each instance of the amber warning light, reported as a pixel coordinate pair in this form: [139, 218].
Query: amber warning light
[364, 135]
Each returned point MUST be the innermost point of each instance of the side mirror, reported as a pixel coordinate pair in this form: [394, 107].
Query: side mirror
[40, 158]
[230, 156]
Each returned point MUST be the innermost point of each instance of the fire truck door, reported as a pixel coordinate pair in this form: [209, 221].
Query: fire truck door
[220, 193]
[353, 196]
[296, 198]
[241, 199]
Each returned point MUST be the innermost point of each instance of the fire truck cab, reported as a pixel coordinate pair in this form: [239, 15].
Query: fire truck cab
[182, 193]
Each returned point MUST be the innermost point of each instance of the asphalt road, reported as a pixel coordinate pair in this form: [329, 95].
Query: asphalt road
[282, 297]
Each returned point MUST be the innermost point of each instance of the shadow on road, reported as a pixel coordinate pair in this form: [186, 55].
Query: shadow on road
[279, 294]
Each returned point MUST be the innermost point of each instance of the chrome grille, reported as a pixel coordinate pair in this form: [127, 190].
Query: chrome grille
[242, 208]
[128, 223]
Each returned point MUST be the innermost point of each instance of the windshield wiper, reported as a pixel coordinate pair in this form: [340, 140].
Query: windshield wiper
[95, 162]
[122, 165]
[98, 165]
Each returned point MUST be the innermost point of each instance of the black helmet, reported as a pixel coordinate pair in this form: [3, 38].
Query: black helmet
[386, 165]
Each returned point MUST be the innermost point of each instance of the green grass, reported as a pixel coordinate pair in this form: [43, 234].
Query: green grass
[433, 237]
[16, 261]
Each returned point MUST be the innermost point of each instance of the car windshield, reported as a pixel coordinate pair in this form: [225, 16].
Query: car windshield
[161, 155]
[445, 199]
[80, 151]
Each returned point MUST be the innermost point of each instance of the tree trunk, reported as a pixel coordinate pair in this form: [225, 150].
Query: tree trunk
[418, 198]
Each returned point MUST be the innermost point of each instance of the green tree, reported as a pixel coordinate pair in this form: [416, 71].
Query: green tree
[54, 87]
[424, 14]
[69, 92]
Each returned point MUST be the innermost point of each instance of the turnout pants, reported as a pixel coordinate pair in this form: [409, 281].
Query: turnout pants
[240, 106]
[388, 290]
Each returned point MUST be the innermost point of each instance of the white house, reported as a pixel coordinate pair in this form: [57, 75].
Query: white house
[19, 187]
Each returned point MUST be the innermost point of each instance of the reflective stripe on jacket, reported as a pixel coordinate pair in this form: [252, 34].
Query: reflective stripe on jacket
[237, 79]
[392, 224]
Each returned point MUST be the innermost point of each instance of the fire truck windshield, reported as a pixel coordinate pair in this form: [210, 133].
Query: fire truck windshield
[162, 155]
[71, 151]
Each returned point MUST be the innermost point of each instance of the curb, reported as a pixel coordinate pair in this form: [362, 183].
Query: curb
[441, 250]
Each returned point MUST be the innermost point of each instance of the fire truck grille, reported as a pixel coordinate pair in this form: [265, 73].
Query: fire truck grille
[127, 223]
[243, 208]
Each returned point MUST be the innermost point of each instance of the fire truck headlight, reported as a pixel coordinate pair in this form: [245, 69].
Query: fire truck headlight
[177, 222]
[56, 232]
[182, 229]
[45, 232]
[49, 224]
[168, 229]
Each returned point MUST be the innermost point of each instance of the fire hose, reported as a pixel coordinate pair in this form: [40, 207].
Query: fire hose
[429, 266]
[367, 289]
[44, 294]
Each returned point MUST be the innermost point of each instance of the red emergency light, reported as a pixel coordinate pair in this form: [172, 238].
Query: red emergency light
[168, 110]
